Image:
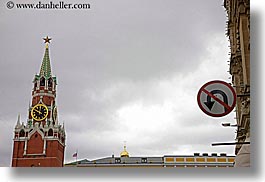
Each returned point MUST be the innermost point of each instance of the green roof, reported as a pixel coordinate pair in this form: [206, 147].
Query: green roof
[45, 69]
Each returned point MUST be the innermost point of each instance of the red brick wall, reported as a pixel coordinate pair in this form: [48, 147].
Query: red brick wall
[18, 150]
[38, 161]
[35, 144]
[54, 153]
[54, 148]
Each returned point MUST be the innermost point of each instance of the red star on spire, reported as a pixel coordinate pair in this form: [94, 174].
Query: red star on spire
[47, 39]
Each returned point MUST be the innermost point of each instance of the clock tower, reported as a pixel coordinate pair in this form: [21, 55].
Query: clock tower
[40, 142]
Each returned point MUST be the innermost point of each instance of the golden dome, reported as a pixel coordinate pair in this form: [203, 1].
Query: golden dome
[124, 153]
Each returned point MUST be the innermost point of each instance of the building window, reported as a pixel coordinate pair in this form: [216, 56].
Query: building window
[189, 159]
[117, 160]
[231, 160]
[144, 160]
[170, 159]
[200, 159]
[211, 159]
[221, 160]
[179, 159]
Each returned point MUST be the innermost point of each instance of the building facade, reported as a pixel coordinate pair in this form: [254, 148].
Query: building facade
[41, 141]
[124, 160]
[238, 31]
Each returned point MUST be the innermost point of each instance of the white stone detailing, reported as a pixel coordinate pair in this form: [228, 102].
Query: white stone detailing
[44, 147]
[43, 94]
[25, 147]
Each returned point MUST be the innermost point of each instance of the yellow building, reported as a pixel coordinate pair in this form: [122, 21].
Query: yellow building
[198, 160]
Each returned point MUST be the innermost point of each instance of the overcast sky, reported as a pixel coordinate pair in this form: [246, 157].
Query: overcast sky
[127, 71]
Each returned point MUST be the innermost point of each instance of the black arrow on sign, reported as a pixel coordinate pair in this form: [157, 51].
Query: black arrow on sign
[210, 103]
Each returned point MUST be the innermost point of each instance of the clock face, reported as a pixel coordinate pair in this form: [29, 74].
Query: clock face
[39, 112]
[54, 113]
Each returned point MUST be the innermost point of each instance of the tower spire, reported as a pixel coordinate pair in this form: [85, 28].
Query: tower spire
[18, 120]
[45, 69]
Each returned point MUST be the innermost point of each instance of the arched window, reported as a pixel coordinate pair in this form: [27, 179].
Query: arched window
[42, 81]
[35, 84]
[50, 132]
[50, 83]
[22, 133]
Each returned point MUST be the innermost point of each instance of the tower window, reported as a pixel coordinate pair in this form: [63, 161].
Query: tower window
[50, 132]
[50, 82]
[22, 133]
[42, 81]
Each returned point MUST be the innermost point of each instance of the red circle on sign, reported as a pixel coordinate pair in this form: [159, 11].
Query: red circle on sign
[229, 108]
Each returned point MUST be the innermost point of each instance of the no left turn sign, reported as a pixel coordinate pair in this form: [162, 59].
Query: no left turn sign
[216, 98]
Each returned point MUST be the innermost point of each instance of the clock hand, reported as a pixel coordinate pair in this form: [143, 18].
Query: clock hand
[38, 111]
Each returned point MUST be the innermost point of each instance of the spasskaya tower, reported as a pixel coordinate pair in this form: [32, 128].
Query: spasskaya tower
[41, 141]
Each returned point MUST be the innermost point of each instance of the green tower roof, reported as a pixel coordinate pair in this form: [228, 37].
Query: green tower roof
[45, 69]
